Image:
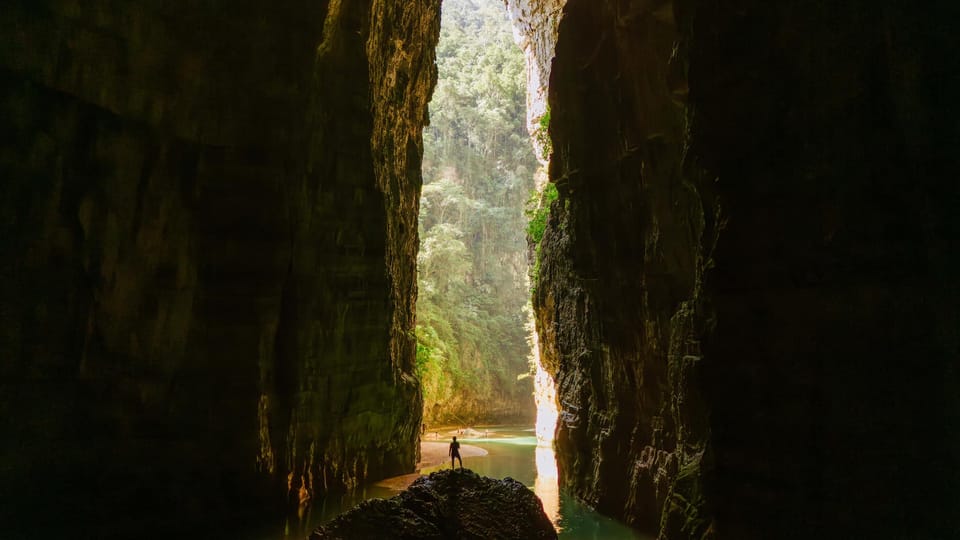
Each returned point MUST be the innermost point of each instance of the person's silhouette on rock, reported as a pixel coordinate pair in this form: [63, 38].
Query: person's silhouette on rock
[455, 453]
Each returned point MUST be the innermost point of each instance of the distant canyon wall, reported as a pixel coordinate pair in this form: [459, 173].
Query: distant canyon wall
[208, 235]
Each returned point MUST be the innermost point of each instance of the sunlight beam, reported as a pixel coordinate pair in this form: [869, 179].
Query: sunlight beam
[545, 396]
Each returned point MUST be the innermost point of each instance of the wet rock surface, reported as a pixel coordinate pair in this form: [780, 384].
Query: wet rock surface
[448, 504]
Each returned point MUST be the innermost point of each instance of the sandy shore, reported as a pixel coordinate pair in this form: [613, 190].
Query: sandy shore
[435, 453]
[431, 453]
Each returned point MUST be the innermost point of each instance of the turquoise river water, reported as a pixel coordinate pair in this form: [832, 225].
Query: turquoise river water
[512, 452]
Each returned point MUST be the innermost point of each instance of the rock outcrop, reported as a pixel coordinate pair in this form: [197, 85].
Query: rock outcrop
[207, 246]
[748, 286]
[447, 505]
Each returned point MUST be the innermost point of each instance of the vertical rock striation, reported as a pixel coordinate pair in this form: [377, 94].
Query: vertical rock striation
[748, 290]
[620, 300]
[208, 236]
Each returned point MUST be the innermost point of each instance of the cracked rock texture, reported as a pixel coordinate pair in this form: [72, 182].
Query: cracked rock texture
[207, 246]
[748, 286]
[447, 505]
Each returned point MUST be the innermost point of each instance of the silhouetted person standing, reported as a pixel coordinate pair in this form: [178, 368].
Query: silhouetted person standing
[455, 453]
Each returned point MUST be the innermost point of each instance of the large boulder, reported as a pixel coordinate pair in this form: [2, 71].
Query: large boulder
[449, 504]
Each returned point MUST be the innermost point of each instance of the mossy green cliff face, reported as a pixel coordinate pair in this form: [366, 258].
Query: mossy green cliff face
[207, 246]
[748, 286]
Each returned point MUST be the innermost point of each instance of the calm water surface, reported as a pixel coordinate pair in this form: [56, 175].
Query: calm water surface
[513, 452]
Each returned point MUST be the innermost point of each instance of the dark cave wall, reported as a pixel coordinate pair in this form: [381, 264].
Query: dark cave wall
[835, 289]
[208, 224]
[748, 286]
[619, 304]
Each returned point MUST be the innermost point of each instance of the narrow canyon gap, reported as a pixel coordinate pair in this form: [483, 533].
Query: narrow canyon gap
[747, 290]
[473, 343]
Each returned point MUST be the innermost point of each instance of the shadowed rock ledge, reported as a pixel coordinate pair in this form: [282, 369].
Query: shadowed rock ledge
[447, 504]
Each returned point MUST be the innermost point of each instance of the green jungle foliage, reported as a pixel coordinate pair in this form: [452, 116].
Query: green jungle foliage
[538, 208]
[538, 212]
[542, 135]
[472, 349]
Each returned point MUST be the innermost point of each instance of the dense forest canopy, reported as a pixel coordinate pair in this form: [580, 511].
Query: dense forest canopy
[472, 342]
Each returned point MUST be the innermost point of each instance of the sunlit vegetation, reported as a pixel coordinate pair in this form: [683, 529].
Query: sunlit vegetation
[472, 349]
[538, 209]
[542, 136]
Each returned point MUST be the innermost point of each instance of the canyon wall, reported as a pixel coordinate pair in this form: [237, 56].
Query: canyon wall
[748, 285]
[619, 302]
[535, 32]
[208, 235]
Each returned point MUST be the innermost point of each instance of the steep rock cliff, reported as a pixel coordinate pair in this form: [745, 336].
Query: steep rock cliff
[208, 244]
[619, 302]
[748, 290]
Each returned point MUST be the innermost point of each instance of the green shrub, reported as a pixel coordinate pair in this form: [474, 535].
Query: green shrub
[538, 215]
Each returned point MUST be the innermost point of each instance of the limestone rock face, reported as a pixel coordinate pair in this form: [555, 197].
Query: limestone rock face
[748, 286]
[619, 303]
[447, 505]
[535, 30]
[207, 246]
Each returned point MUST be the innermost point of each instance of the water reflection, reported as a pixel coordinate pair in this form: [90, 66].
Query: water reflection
[547, 485]
[512, 452]
[518, 454]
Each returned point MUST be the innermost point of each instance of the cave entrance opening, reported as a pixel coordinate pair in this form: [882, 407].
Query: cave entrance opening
[476, 345]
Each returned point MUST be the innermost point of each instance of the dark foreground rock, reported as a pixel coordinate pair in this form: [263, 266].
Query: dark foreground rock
[447, 504]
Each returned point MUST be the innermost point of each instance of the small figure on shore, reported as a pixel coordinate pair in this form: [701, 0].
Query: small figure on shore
[455, 453]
